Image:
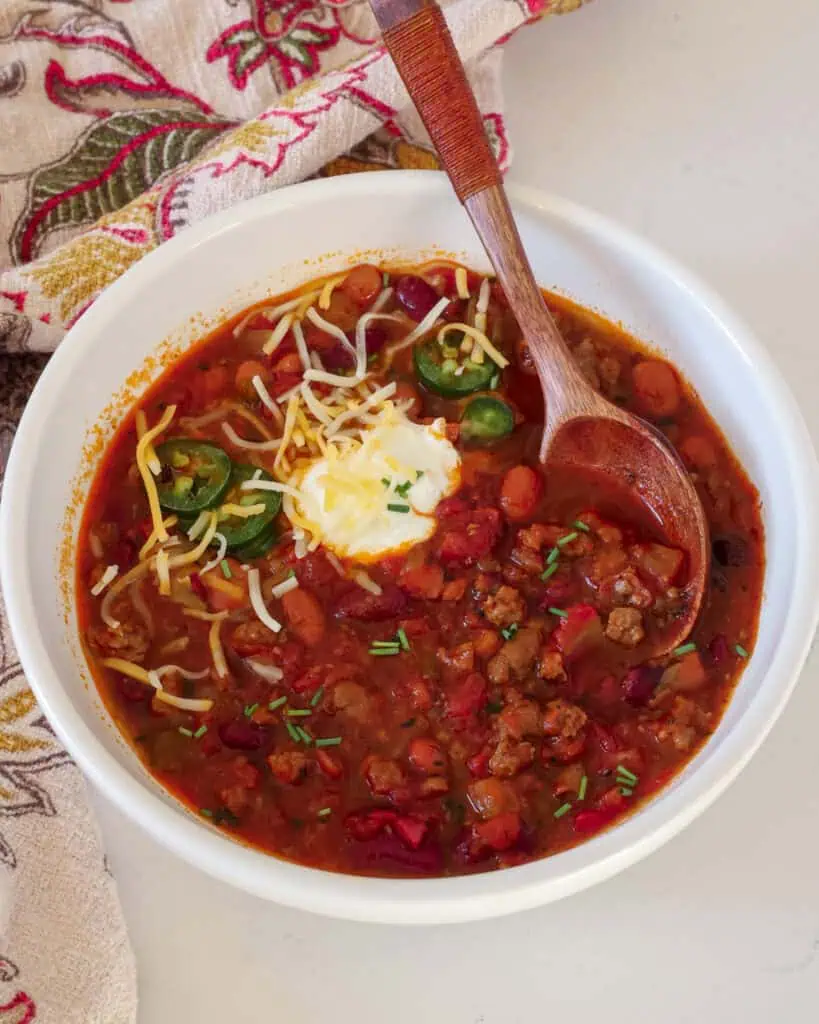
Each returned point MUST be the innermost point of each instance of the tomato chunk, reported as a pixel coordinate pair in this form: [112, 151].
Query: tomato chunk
[579, 630]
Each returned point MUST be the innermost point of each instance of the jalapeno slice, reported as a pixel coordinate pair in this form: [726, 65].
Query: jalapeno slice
[259, 546]
[487, 419]
[447, 376]
[194, 475]
[237, 530]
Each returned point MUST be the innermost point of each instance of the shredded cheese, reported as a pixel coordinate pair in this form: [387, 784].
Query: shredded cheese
[221, 551]
[127, 668]
[351, 414]
[152, 537]
[184, 703]
[110, 574]
[314, 405]
[266, 399]
[216, 649]
[328, 289]
[163, 574]
[291, 583]
[195, 613]
[195, 553]
[270, 673]
[255, 446]
[382, 300]
[139, 570]
[147, 479]
[186, 672]
[199, 525]
[241, 511]
[301, 346]
[289, 427]
[336, 332]
[271, 485]
[228, 587]
[425, 325]
[151, 457]
[278, 334]
[257, 601]
[366, 583]
[479, 337]
[461, 283]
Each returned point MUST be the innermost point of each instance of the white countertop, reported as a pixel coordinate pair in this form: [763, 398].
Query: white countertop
[696, 124]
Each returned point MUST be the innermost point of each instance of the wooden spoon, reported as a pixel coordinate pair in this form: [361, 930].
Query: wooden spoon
[582, 430]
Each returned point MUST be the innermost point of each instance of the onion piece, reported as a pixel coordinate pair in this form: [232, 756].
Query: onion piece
[291, 583]
[109, 575]
[270, 673]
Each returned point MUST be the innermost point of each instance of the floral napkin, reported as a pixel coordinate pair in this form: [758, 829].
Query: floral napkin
[121, 123]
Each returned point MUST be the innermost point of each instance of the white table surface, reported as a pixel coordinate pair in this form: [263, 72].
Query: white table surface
[694, 122]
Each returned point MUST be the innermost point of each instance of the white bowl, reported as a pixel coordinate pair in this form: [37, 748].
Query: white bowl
[271, 244]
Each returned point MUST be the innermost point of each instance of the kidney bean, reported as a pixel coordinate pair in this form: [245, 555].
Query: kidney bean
[242, 734]
[415, 296]
[640, 684]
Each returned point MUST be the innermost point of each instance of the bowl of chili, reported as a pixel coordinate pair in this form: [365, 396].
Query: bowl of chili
[421, 695]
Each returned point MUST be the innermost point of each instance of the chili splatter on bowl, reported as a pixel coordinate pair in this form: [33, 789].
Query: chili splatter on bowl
[340, 610]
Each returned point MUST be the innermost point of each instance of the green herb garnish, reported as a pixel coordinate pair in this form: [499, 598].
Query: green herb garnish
[553, 556]
[559, 613]
[740, 650]
[678, 652]
[508, 633]
[250, 709]
[185, 732]
[328, 741]
[549, 571]
[563, 809]
[314, 700]
[200, 732]
[223, 565]
[391, 507]
[402, 639]
[567, 539]
[624, 773]
[298, 712]
[581, 789]
[277, 703]
[304, 735]
[581, 525]
[294, 736]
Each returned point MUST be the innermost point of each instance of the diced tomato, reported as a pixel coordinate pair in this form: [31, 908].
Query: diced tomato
[686, 674]
[661, 563]
[411, 831]
[361, 604]
[467, 697]
[587, 822]
[499, 833]
[580, 630]
[472, 539]
[422, 581]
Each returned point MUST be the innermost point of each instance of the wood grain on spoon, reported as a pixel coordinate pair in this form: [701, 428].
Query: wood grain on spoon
[582, 429]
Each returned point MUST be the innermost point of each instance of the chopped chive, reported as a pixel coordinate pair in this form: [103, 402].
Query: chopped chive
[549, 572]
[678, 652]
[384, 652]
[581, 789]
[294, 736]
[507, 634]
[325, 812]
[185, 732]
[223, 565]
[304, 735]
[554, 554]
[397, 508]
[625, 791]
[559, 613]
[563, 809]
[277, 703]
[298, 712]
[402, 639]
[200, 732]
[250, 709]
[403, 489]
[567, 539]
[624, 773]
[205, 812]
[581, 525]
[385, 480]
[328, 741]
[385, 643]
[316, 696]
[740, 650]
[418, 474]
[290, 574]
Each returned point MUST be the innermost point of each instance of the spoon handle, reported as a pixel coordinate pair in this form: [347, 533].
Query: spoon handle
[418, 39]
